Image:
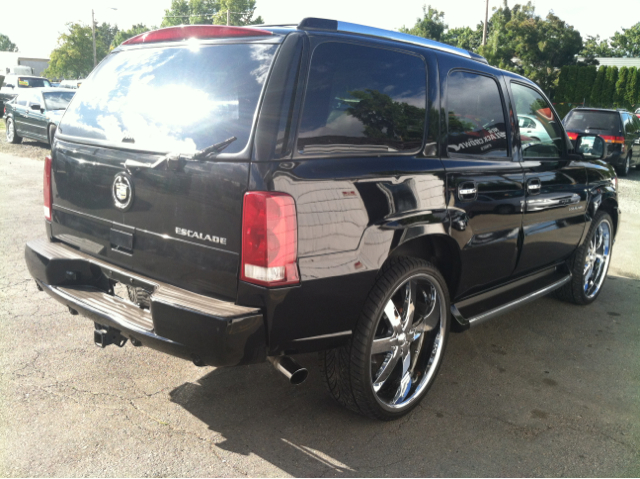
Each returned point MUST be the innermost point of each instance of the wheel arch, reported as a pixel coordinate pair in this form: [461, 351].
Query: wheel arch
[440, 250]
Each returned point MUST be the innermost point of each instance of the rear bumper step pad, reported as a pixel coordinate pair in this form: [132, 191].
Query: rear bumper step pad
[179, 322]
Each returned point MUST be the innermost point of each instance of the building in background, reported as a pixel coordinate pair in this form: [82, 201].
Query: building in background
[22, 64]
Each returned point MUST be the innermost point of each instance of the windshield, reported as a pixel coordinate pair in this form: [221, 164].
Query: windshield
[593, 120]
[172, 99]
[57, 100]
[26, 82]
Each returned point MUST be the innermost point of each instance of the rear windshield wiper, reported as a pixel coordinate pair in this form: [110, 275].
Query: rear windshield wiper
[213, 150]
[175, 159]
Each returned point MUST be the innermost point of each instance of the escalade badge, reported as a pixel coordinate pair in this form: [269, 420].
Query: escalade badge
[122, 191]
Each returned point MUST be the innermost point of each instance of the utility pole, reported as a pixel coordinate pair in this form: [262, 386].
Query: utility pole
[228, 17]
[484, 30]
[93, 33]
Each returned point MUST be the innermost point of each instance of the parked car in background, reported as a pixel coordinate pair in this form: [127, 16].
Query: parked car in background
[619, 129]
[533, 129]
[74, 84]
[13, 84]
[638, 113]
[36, 114]
[325, 187]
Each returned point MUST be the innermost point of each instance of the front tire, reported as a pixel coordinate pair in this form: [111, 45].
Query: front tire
[590, 263]
[12, 136]
[397, 345]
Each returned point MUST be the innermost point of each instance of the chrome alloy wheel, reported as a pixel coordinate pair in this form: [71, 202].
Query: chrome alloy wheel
[408, 343]
[597, 259]
[10, 130]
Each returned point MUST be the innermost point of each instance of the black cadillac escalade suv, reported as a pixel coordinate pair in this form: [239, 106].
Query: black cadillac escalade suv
[231, 195]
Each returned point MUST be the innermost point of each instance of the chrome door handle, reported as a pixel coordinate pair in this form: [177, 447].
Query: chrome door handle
[534, 186]
[467, 191]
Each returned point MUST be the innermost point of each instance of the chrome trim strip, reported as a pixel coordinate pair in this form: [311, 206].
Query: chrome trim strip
[400, 37]
[518, 302]
[323, 336]
[166, 236]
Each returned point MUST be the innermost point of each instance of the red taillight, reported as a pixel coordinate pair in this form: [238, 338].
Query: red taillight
[47, 188]
[269, 239]
[613, 139]
[572, 136]
[171, 34]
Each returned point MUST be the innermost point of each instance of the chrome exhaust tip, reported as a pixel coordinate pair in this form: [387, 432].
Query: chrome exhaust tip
[290, 368]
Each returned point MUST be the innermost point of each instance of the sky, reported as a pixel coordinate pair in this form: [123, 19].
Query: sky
[34, 26]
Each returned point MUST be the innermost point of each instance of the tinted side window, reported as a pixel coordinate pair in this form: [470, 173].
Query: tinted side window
[545, 140]
[362, 100]
[628, 124]
[476, 117]
[22, 100]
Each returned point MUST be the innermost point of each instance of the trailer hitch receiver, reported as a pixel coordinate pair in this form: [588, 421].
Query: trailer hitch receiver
[103, 336]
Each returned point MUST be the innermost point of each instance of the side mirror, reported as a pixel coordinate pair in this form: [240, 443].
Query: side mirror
[35, 106]
[590, 147]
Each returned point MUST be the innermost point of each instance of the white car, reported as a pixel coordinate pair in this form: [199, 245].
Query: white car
[532, 128]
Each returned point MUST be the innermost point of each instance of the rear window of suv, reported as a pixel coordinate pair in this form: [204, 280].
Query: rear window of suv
[593, 120]
[172, 99]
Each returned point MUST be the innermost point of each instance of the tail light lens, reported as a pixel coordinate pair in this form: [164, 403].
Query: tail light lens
[613, 139]
[269, 239]
[572, 136]
[47, 188]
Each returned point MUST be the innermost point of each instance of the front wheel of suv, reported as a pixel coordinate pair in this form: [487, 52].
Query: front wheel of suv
[590, 263]
[397, 346]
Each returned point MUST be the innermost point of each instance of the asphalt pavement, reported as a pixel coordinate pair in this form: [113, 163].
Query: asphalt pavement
[551, 389]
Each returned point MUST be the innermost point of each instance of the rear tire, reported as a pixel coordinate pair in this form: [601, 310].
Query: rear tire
[12, 136]
[590, 263]
[624, 169]
[52, 132]
[397, 345]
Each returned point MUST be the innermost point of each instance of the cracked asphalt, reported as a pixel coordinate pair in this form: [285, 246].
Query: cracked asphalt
[548, 390]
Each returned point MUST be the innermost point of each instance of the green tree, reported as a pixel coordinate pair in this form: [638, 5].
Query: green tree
[621, 88]
[594, 47]
[627, 43]
[631, 91]
[431, 25]
[522, 42]
[563, 84]
[211, 12]
[572, 87]
[124, 35]
[73, 57]
[598, 84]
[464, 37]
[7, 45]
[637, 102]
[586, 79]
[241, 13]
[609, 87]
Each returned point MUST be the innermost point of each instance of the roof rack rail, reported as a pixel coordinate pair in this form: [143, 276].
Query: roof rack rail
[338, 26]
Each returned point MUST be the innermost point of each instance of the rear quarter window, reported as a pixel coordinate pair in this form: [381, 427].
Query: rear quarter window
[363, 100]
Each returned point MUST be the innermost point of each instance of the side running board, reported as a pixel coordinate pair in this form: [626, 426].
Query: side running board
[505, 308]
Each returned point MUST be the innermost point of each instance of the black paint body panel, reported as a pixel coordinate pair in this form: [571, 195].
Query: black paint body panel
[354, 213]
